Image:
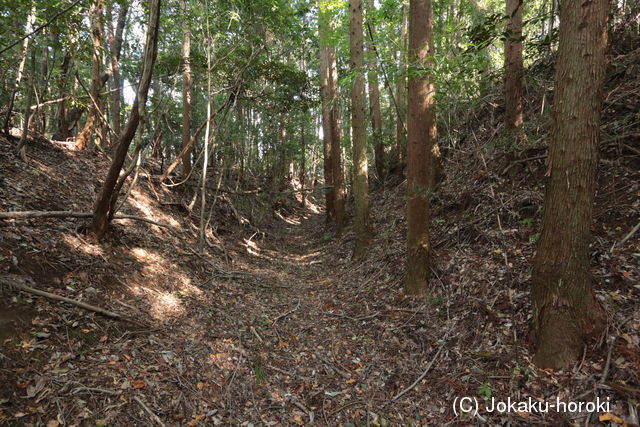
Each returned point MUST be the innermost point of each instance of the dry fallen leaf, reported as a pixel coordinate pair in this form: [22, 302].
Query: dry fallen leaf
[138, 384]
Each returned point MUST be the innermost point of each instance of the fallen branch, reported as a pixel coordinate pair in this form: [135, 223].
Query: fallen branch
[420, 378]
[627, 237]
[15, 282]
[72, 214]
[287, 313]
[146, 408]
[424, 373]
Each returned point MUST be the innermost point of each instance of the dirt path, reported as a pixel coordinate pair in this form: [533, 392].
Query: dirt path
[312, 349]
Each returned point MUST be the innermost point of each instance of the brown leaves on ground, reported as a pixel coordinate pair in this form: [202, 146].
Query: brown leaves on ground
[291, 331]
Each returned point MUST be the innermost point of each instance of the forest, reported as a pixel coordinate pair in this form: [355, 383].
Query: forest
[319, 212]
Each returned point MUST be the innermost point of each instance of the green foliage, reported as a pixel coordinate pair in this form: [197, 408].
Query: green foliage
[485, 391]
[260, 373]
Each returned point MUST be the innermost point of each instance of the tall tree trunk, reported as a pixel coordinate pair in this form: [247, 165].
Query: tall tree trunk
[401, 90]
[63, 130]
[115, 47]
[303, 160]
[97, 32]
[327, 59]
[513, 68]
[423, 154]
[565, 312]
[336, 146]
[358, 130]
[374, 96]
[23, 60]
[552, 17]
[280, 152]
[106, 200]
[43, 82]
[30, 81]
[186, 90]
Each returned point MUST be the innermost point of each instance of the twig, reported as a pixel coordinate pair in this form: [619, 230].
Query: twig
[343, 407]
[72, 214]
[253, 330]
[6, 280]
[287, 313]
[355, 319]
[607, 364]
[282, 371]
[424, 374]
[94, 390]
[426, 371]
[627, 237]
[154, 416]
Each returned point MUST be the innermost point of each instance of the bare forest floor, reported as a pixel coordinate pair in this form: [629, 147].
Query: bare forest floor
[276, 325]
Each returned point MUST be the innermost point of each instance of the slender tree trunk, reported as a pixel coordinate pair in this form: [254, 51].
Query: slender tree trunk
[358, 130]
[97, 32]
[565, 312]
[115, 47]
[303, 160]
[43, 82]
[374, 97]
[207, 134]
[30, 81]
[101, 213]
[186, 89]
[336, 146]
[62, 123]
[422, 148]
[552, 16]
[513, 68]
[327, 57]
[23, 60]
[401, 90]
[279, 155]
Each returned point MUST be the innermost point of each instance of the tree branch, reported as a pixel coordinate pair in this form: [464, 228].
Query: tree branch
[15, 282]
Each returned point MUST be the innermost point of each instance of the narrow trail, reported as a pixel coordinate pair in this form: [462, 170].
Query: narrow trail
[309, 347]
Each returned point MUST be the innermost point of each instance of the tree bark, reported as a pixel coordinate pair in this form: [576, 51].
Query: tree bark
[101, 213]
[30, 81]
[374, 98]
[97, 34]
[62, 121]
[327, 58]
[115, 47]
[186, 91]
[565, 312]
[401, 90]
[303, 160]
[423, 154]
[513, 68]
[23, 60]
[336, 145]
[358, 130]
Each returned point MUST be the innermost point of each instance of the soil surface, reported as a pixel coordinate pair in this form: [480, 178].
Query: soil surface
[275, 324]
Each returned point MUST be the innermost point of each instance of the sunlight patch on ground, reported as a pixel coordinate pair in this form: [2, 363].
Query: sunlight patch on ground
[82, 245]
[166, 304]
[143, 202]
[159, 271]
[292, 221]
